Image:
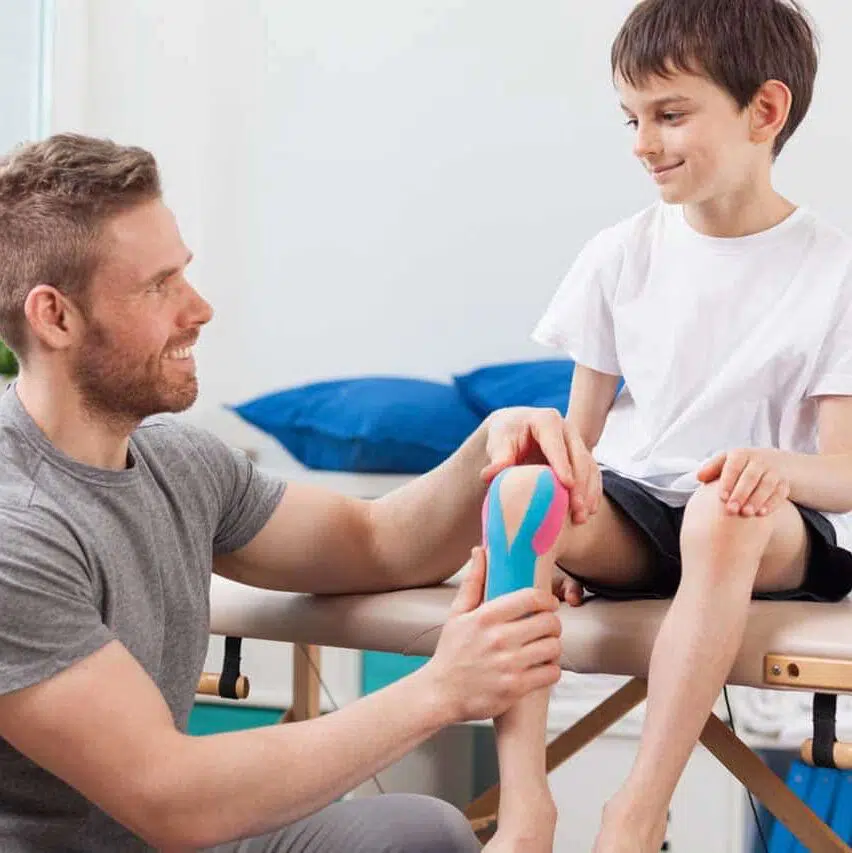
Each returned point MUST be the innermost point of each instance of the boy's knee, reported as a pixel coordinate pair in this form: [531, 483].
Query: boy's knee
[709, 530]
[524, 511]
[517, 484]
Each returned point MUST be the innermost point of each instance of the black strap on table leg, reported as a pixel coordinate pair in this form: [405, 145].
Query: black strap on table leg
[825, 715]
[230, 668]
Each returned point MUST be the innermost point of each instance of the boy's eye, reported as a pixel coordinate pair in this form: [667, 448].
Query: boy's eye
[672, 116]
[632, 122]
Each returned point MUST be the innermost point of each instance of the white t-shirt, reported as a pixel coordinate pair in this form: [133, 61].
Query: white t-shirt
[723, 343]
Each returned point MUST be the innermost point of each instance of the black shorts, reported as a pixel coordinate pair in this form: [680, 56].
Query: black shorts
[829, 571]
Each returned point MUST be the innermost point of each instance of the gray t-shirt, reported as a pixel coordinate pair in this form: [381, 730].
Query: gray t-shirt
[89, 555]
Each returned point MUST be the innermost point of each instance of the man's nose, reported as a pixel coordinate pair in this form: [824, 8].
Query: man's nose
[198, 310]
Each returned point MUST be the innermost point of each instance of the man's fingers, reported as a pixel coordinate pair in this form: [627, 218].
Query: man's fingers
[472, 588]
[540, 676]
[503, 456]
[516, 605]
[547, 650]
[581, 467]
[548, 430]
[530, 630]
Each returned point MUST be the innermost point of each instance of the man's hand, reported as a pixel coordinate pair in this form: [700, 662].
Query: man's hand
[749, 481]
[490, 656]
[525, 436]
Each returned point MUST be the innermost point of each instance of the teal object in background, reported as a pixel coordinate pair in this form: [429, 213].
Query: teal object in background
[212, 719]
[378, 669]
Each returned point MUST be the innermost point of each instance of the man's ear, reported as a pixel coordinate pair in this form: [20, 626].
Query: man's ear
[769, 110]
[53, 318]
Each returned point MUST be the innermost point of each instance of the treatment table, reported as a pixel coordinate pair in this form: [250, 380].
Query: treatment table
[788, 646]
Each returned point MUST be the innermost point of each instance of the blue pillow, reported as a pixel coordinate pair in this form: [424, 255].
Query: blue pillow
[390, 425]
[545, 383]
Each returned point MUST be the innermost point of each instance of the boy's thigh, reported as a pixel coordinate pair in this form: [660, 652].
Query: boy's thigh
[612, 549]
[391, 823]
[803, 560]
[785, 561]
[631, 549]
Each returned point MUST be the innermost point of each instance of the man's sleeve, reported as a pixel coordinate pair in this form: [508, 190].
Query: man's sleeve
[49, 618]
[245, 496]
[578, 320]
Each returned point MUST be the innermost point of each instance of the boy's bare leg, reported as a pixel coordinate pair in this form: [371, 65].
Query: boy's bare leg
[527, 813]
[526, 819]
[724, 558]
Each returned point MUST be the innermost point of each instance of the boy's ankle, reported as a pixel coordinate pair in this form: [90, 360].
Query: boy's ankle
[532, 811]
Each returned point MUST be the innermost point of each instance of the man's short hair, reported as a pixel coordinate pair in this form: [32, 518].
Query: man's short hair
[55, 198]
[738, 44]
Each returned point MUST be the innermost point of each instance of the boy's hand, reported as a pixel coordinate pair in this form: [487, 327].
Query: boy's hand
[526, 435]
[749, 481]
[566, 589]
[490, 655]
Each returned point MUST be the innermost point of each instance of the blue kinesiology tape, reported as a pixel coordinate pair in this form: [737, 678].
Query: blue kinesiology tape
[513, 568]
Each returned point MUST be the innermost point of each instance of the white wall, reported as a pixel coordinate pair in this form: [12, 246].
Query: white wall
[20, 70]
[383, 186]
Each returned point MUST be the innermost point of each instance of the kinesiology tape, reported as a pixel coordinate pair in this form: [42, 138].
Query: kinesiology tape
[513, 568]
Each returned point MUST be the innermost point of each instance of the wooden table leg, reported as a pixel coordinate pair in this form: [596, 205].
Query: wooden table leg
[772, 792]
[306, 684]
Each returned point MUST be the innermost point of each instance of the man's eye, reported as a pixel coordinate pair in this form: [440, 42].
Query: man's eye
[672, 116]
[632, 122]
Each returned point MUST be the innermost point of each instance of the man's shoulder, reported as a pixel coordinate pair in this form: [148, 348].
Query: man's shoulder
[176, 449]
[19, 464]
[169, 433]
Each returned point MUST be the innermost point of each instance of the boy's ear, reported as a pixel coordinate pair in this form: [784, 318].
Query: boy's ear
[769, 110]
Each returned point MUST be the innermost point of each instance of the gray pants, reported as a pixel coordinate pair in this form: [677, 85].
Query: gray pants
[391, 823]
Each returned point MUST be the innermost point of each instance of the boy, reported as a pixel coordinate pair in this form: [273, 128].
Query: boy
[724, 469]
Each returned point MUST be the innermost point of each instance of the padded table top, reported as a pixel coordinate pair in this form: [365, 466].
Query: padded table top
[599, 637]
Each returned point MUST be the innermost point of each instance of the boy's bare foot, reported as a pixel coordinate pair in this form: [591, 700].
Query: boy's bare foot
[530, 840]
[623, 830]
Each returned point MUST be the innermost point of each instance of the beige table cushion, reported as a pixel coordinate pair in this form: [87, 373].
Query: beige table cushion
[599, 637]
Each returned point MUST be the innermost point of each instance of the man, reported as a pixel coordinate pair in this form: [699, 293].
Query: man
[111, 521]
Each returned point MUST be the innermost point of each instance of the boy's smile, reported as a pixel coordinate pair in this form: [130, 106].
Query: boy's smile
[690, 136]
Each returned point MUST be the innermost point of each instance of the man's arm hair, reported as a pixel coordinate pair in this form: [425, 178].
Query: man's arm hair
[104, 728]
[416, 535]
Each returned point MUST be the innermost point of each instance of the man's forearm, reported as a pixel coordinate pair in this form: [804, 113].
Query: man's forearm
[820, 481]
[220, 787]
[423, 532]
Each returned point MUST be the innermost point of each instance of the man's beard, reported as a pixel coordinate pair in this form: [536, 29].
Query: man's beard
[118, 387]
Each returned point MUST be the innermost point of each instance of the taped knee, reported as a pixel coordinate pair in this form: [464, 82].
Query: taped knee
[512, 567]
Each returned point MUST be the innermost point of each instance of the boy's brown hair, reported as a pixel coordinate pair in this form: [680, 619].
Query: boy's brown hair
[55, 197]
[738, 44]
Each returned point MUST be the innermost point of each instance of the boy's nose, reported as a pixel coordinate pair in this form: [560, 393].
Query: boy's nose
[646, 143]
